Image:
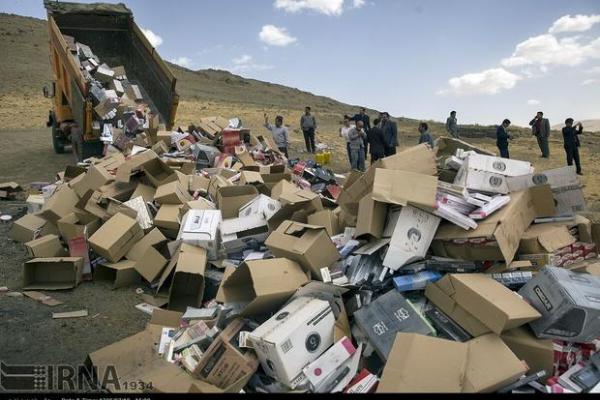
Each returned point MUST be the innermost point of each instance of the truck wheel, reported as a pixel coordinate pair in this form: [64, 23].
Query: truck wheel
[57, 142]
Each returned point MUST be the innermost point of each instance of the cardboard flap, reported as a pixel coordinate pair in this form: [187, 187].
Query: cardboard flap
[296, 229]
[169, 319]
[543, 201]
[551, 237]
[403, 187]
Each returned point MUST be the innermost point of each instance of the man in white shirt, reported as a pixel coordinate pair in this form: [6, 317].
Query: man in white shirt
[344, 130]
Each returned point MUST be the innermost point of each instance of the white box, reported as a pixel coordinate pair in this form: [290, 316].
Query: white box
[293, 338]
[318, 371]
[261, 205]
[483, 181]
[499, 165]
[35, 202]
[237, 232]
[412, 237]
[201, 228]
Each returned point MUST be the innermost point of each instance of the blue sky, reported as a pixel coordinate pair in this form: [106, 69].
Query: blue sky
[487, 59]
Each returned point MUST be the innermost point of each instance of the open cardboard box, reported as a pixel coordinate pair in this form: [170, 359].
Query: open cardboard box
[55, 273]
[116, 237]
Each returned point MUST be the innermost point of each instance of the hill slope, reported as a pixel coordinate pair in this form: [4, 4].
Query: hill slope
[590, 125]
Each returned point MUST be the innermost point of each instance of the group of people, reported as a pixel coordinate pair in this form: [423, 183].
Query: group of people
[540, 128]
[381, 139]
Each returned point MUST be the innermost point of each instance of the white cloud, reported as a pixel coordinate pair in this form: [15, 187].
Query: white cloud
[152, 37]
[243, 59]
[588, 82]
[533, 102]
[546, 49]
[491, 81]
[245, 63]
[358, 3]
[327, 7]
[576, 23]
[276, 36]
[182, 62]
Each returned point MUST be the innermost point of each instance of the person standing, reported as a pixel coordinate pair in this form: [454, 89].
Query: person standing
[308, 124]
[376, 142]
[571, 138]
[425, 135]
[357, 136]
[344, 129]
[502, 137]
[390, 134]
[280, 134]
[452, 125]
[362, 116]
[540, 128]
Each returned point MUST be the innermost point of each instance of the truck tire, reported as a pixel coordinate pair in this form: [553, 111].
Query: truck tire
[57, 142]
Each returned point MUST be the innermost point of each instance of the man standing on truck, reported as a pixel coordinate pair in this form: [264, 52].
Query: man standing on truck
[308, 124]
[280, 133]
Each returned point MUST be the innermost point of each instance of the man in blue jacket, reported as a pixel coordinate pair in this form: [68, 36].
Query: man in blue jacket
[502, 137]
[390, 134]
[571, 137]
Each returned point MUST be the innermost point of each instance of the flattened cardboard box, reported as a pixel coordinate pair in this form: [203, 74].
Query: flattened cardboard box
[482, 298]
[544, 238]
[116, 237]
[46, 246]
[55, 273]
[187, 286]
[506, 227]
[121, 274]
[30, 227]
[424, 364]
[263, 285]
[308, 245]
[60, 204]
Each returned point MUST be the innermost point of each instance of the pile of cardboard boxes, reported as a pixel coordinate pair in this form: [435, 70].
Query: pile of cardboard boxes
[444, 270]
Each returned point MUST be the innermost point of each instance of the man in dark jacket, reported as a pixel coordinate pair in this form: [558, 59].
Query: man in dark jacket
[540, 128]
[362, 116]
[570, 136]
[390, 134]
[376, 142]
[502, 137]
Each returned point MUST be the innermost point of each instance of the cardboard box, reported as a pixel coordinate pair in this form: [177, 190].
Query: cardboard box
[537, 353]
[46, 246]
[263, 286]
[250, 177]
[237, 233]
[262, 205]
[138, 250]
[506, 227]
[61, 203]
[121, 274]
[147, 192]
[35, 202]
[224, 362]
[390, 186]
[154, 260]
[198, 183]
[78, 224]
[480, 304]
[216, 182]
[172, 193]
[95, 178]
[133, 165]
[543, 238]
[200, 204]
[568, 302]
[158, 173]
[412, 236]
[201, 228]
[30, 227]
[538, 261]
[383, 318]
[423, 364]
[231, 198]
[371, 217]
[294, 337]
[328, 220]
[168, 217]
[187, 286]
[308, 245]
[54, 273]
[116, 237]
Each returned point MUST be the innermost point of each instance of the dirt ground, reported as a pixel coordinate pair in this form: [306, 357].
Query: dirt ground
[28, 334]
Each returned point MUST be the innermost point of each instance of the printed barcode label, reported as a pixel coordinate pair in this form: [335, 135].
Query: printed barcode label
[287, 346]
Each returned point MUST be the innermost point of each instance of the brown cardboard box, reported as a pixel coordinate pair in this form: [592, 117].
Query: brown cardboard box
[250, 177]
[327, 219]
[297, 205]
[242, 154]
[147, 192]
[231, 198]
[263, 285]
[118, 190]
[30, 227]
[139, 249]
[424, 364]
[46, 246]
[198, 183]
[544, 238]
[506, 227]
[216, 182]
[61, 203]
[116, 237]
[479, 297]
[55, 273]
[112, 162]
[95, 178]
[187, 286]
[121, 274]
[371, 217]
[160, 147]
[172, 193]
[182, 165]
[154, 260]
[133, 165]
[308, 245]
[158, 173]
[282, 187]
[168, 217]
[404, 187]
[78, 224]
[224, 362]
[537, 353]
[200, 204]
[165, 137]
